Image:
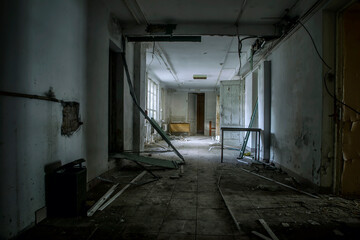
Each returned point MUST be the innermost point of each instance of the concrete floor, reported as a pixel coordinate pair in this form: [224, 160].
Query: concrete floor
[191, 206]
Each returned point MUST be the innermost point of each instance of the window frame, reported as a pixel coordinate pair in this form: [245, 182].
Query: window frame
[152, 98]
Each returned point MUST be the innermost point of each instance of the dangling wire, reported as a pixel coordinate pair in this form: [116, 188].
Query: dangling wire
[329, 70]
[240, 46]
[152, 57]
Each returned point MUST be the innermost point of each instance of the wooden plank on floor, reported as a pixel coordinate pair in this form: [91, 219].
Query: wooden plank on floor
[268, 229]
[100, 202]
[121, 191]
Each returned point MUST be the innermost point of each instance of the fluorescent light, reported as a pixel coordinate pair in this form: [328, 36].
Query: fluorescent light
[199, 77]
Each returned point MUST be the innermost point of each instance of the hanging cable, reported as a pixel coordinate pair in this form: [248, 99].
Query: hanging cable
[240, 46]
[329, 70]
[152, 58]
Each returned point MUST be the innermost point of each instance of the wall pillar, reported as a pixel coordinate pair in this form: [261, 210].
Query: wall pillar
[264, 109]
[139, 88]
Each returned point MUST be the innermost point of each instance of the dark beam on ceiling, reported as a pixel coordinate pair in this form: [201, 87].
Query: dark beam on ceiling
[165, 39]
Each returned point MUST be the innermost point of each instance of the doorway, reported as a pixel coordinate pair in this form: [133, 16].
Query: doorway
[348, 129]
[112, 93]
[200, 111]
[115, 106]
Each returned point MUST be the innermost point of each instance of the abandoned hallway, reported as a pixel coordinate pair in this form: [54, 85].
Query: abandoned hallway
[179, 119]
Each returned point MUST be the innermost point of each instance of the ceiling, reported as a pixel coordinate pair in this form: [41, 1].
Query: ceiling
[219, 23]
[174, 64]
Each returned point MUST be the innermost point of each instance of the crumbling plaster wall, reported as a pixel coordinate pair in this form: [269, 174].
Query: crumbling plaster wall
[232, 110]
[63, 45]
[44, 46]
[296, 102]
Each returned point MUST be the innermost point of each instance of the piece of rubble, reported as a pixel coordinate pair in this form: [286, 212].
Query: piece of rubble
[285, 225]
[312, 222]
[337, 232]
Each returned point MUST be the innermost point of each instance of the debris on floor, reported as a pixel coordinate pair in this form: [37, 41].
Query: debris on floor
[217, 145]
[193, 206]
[147, 160]
[286, 225]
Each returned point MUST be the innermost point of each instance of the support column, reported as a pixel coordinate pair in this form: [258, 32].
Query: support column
[139, 87]
[267, 111]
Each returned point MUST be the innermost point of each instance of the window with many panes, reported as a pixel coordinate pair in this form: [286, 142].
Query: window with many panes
[152, 99]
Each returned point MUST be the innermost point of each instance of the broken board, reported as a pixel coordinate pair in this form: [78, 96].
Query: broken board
[147, 160]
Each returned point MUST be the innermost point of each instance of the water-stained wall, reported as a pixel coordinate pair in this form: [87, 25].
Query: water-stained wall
[296, 102]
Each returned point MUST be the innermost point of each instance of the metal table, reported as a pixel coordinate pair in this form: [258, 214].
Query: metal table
[237, 129]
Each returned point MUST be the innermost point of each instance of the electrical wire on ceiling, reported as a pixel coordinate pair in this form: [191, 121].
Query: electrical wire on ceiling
[240, 46]
[152, 58]
[241, 12]
[162, 59]
[328, 72]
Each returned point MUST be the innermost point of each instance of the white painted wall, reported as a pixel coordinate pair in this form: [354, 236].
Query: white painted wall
[248, 99]
[249, 105]
[232, 109]
[45, 46]
[97, 89]
[179, 107]
[63, 45]
[264, 108]
[296, 104]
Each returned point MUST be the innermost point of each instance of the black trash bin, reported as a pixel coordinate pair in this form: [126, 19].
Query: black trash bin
[66, 190]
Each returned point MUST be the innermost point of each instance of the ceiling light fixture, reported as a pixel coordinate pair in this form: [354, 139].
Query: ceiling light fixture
[199, 77]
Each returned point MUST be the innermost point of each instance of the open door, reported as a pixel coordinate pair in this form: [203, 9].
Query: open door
[116, 82]
[192, 113]
[349, 127]
[112, 105]
[200, 111]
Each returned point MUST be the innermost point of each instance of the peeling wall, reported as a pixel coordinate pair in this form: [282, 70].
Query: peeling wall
[351, 87]
[44, 46]
[232, 109]
[296, 102]
[63, 45]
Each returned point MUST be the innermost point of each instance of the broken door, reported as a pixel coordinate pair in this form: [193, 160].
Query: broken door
[232, 109]
[350, 122]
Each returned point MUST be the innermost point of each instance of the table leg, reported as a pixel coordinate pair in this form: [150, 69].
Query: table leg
[222, 145]
[256, 149]
[259, 147]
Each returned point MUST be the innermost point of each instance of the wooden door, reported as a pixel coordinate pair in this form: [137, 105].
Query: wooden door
[350, 122]
[200, 113]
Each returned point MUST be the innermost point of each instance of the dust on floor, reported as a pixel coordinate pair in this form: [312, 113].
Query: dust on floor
[191, 207]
